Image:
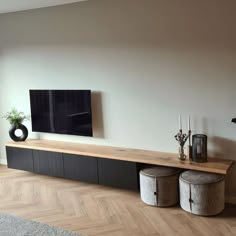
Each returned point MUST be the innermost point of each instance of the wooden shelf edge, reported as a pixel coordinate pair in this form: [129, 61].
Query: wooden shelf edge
[214, 165]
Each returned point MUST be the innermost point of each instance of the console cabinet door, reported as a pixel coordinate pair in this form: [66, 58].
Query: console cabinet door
[48, 163]
[115, 173]
[82, 168]
[19, 158]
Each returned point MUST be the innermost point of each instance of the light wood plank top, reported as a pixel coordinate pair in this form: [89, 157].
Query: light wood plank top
[213, 165]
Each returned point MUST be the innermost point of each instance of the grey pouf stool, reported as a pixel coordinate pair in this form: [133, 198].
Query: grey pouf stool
[202, 193]
[159, 186]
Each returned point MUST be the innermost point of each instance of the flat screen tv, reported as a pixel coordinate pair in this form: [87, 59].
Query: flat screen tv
[61, 111]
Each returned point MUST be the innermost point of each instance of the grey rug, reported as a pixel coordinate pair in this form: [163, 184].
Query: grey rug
[16, 226]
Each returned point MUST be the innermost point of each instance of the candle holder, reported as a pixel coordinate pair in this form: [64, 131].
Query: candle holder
[199, 148]
[182, 138]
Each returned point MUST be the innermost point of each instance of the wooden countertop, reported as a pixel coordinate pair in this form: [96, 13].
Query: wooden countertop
[213, 165]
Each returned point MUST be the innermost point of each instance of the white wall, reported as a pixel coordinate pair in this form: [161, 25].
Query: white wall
[145, 61]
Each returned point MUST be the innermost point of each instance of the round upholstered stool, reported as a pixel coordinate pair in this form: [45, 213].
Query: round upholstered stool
[159, 186]
[202, 193]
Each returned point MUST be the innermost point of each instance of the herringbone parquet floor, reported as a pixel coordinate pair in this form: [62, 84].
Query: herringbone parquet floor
[98, 210]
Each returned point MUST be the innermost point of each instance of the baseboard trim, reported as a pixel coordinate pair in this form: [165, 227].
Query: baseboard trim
[3, 161]
[230, 199]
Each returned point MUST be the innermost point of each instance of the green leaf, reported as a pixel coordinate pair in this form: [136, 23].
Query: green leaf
[15, 117]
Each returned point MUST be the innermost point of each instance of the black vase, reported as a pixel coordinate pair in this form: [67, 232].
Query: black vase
[15, 138]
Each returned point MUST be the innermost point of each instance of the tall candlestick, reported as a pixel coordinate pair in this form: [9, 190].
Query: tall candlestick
[189, 125]
[180, 122]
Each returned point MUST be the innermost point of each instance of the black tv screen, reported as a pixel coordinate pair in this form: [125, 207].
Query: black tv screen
[61, 111]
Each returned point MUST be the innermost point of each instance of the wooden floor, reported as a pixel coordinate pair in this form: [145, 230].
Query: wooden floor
[97, 210]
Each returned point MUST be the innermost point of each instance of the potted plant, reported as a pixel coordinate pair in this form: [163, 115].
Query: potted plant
[16, 119]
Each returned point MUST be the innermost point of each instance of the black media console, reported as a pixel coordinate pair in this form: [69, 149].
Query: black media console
[106, 165]
[109, 172]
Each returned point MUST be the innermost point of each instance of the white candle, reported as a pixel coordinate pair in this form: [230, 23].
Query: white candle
[180, 122]
[189, 125]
